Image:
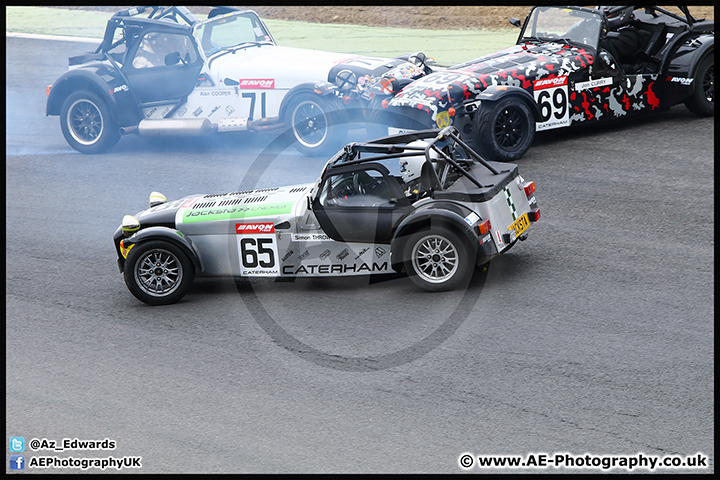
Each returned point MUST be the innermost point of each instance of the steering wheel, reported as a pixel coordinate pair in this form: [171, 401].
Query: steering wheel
[358, 186]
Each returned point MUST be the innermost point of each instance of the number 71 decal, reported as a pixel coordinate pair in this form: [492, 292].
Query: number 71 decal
[551, 95]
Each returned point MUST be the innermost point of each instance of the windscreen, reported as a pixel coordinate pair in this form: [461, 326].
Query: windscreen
[563, 24]
[229, 31]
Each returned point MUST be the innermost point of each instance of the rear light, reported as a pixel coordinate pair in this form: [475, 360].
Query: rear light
[529, 188]
[534, 215]
[483, 227]
[385, 104]
[47, 89]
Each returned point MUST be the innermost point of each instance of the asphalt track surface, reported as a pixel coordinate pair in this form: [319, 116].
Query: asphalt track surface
[595, 336]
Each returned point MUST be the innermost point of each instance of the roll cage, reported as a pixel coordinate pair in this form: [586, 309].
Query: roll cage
[660, 30]
[127, 25]
[453, 156]
[131, 17]
[655, 11]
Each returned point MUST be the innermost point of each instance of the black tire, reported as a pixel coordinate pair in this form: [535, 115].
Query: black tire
[702, 101]
[316, 124]
[438, 260]
[504, 130]
[87, 124]
[158, 272]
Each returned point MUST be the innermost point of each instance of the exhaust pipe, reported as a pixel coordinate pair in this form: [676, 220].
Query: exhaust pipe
[199, 126]
[171, 127]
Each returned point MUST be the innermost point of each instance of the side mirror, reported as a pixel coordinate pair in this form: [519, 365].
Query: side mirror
[422, 60]
[515, 22]
[172, 59]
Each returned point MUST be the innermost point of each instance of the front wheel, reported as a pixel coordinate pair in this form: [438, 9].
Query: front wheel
[438, 260]
[87, 124]
[315, 124]
[158, 272]
[702, 101]
[504, 130]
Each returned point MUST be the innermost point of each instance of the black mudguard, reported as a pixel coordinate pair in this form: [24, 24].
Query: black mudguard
[158, 233]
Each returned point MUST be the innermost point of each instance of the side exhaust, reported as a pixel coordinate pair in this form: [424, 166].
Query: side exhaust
[172, 126]
[199, 126]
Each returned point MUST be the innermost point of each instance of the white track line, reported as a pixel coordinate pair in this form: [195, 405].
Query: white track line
[39, 36]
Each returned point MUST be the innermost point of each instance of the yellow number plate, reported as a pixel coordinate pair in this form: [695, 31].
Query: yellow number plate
[520, 225]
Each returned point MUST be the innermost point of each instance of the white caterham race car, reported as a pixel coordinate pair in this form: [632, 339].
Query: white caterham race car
[423, 203]
[160, 71]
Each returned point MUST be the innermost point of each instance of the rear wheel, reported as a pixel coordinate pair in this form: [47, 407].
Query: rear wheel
[504, 129]
[438, 260]
[158, 272]
[702, 101]
[87, 124]
[315, 124]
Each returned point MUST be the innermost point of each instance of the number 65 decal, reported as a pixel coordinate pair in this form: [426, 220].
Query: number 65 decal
[551, 95]
[257, 248]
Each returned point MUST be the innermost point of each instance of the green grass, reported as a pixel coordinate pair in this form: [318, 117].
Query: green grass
[447, 47]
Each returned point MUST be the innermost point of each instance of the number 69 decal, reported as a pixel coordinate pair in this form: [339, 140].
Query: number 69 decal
[551, 95]
[257, 249]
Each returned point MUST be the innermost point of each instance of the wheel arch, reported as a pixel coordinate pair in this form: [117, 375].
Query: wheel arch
[495, 93]
[166, 234]
[76, 81]
[320, 89]
[700, 57]
[684, 61]
[427, 220]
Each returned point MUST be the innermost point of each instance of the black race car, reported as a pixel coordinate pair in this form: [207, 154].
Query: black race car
[571, 65]
[162, 71]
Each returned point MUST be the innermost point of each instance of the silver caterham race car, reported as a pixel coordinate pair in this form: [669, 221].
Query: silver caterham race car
[424, 203]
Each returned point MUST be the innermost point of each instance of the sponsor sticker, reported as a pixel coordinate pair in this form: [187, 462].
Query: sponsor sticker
[241, 211]
[245, 228]
[121, 88]
[472, 218]
[680, 80]
[260, 83]
[443, 119]
[549, 83]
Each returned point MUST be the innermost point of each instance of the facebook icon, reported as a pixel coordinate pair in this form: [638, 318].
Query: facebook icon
[17, 462]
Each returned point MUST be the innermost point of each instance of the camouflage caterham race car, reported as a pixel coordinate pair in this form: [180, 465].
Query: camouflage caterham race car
[570, 66]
